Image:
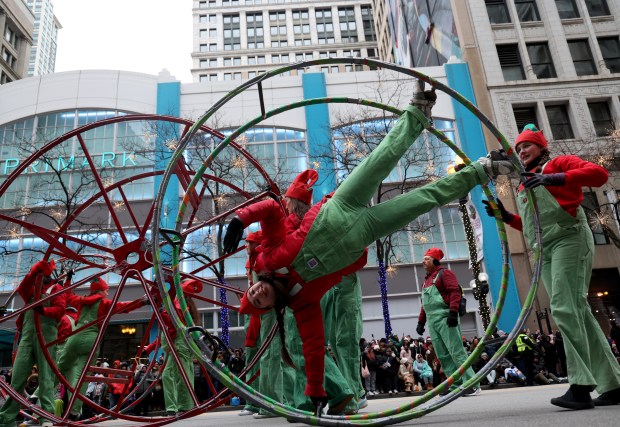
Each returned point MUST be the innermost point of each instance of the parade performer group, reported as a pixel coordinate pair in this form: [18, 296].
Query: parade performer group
[331, 240]
[567, 263]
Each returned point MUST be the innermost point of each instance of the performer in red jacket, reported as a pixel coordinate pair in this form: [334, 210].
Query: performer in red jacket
[441, 296]
[332, 238]
[36, 284]
[567, 263]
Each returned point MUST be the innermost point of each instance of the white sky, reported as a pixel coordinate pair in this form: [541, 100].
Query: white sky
[130, 35]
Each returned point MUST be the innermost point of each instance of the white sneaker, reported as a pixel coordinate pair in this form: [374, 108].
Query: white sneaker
[472, 391]
[34, 422]
[245, 412]
[395, 391]
[362, 403]
[263, 415]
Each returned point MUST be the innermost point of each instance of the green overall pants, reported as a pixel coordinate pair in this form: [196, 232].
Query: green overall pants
[342, 314]
[568, 250]
[271, 365]
[249, 355]
[334, 383]
[176, 395]
[345, 225]
[29, 353]
[447, 341]
[72, 360]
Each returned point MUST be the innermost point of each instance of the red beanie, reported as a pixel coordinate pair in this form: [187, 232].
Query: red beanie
[533, 135]
[435, 253]
[247, 308]
[191, 286]
[43, 267]
[255, 237]
[98, 285]
[300, 188]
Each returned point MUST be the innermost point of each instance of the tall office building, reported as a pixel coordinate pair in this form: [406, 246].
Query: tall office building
[239, 39]
[43, 53]
[17, 25]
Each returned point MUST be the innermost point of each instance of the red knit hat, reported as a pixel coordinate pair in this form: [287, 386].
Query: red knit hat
[98, 285]
[255, 237]
[247, 308]
[191, 286]
[300, 188]
[435, 253]
[532, 134]
[44, 267]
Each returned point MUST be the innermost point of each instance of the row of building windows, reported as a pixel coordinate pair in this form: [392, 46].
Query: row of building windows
[541, 58]
[527, 10]
[278, 28]
[559, 119]
[244, 75]
[227, 3]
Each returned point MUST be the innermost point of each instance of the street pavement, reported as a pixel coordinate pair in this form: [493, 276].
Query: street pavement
[509, 407]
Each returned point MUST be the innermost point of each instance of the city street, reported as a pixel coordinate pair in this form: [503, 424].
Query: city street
[518, 406]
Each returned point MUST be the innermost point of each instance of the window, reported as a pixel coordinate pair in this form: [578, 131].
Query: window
[212, 47]
[498, 11]
[255, 31]
[8, 58]
[601, 118]
[610, 48]
[204, 48]
[253, 60]
[324, 26]
[582, 57]
[591, 207]
[10, 37]
[277, 29]
[301, 27]
[541, 61]
[567, 9]
[527, 10]
[348, 26]
[212, 33]
[510, 62]
[303, 56]
[369, 24]
[204, 34]
[279, 59]
[232, 32]
[559, 122]
[203, 19]
[208, 77]
[597, 7]
[524, 116]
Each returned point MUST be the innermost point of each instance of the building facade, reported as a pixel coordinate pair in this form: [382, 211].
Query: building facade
[17, 25]
[239, 39]
[46, 25]
[555, 64]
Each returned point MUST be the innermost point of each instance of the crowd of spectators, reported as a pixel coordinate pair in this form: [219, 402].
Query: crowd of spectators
[409, 364]
[145, 392]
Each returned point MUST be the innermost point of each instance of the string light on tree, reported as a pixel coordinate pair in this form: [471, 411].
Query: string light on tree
[384, 299]
[224, 316]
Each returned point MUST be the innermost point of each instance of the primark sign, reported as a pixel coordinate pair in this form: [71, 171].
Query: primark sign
[107, 159]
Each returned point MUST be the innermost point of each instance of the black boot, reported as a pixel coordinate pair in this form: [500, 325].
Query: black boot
[577, 397]
[611, 397]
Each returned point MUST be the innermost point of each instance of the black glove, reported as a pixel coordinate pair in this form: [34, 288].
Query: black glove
[533, 180]
[3, 311]
[506, 216]
[39, 309]
[420, 329]
[453, 319]
[234, 233]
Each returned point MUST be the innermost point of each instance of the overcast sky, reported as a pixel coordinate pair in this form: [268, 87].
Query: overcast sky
[132, 35]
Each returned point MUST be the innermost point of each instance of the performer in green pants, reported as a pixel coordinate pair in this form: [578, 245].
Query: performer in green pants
[332, 238]
[29, 352]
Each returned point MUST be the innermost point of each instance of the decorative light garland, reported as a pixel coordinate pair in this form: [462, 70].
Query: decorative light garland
[483, 307]
[224, 316]
[384, 299]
